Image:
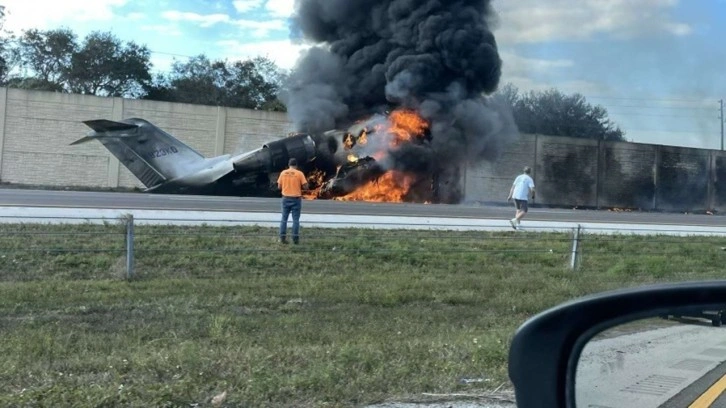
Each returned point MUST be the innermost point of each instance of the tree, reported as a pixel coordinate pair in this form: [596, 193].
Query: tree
[275, 77]
[508, 93]
[551, 112]
[48, 55]
[102, 65]
[248, 86]
[6, 50]
[107, 67]
[251, 84]
[197, 81]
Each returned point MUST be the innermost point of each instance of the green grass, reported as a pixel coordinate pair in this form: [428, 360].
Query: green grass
[347, 318]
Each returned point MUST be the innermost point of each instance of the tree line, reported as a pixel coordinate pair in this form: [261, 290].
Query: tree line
[103, 65]
[554, 113]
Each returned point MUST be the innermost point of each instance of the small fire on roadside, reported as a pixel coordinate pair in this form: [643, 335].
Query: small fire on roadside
[617, 209]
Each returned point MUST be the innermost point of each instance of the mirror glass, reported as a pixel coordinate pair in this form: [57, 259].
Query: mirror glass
[676, 359]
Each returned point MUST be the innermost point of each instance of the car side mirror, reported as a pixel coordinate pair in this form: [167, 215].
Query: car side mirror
[624, 347]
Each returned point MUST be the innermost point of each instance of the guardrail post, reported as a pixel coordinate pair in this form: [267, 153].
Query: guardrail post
[574, 261]
[129, 246]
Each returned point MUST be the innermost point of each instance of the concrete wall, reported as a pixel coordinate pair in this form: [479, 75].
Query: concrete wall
[490, 181]
[566, 171]
[626, 175]
[590, 173]
[36, 129]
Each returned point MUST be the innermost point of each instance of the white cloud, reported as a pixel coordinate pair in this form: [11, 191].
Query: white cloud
[24, 14]
[261, 29]
[535, 21]
[280, 8]
[516, 65]
[258, 28]
[204, 20]
[243, 6]
[276, 8]
[282, 52]
[521, 72]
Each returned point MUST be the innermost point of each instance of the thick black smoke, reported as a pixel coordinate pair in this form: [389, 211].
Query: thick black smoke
[438, 57]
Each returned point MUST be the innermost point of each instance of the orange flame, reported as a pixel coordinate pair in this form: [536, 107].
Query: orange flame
[405, 125]
[348, 142]
[401, 127]
[315, 181]
[363, 138]
[391, 187]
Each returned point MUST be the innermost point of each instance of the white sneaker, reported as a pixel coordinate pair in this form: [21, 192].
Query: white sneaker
[514, 223]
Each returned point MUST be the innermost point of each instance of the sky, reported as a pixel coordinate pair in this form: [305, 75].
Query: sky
[657, 66]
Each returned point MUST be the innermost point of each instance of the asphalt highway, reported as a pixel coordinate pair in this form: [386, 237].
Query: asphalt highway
[667, 367]
[12, 197]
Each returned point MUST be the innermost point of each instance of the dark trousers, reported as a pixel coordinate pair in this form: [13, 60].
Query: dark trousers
[291, 205]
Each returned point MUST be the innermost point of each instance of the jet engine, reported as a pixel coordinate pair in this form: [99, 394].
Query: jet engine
[273, 156]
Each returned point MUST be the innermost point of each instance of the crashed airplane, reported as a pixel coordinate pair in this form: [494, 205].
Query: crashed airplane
[166, 165]
[355, 164]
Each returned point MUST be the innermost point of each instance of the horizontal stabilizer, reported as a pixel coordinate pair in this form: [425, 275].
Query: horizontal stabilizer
[104, 125]
[83, 140]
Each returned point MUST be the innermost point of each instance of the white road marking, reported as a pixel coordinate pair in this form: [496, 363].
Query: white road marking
[153, 216]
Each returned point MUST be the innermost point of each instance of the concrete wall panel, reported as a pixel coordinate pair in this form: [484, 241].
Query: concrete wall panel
[627, 175]
[718, 180]
[38, 128]
[40, 169]
[248, 129]
[490, 181]
[682, 179]
[567, 171]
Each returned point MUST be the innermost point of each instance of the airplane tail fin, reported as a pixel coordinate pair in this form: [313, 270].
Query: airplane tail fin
[150, 154]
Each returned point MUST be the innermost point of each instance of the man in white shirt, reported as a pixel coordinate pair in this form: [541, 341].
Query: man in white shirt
[521, 188]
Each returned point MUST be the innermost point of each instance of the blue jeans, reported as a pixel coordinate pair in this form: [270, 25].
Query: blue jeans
[294, 206]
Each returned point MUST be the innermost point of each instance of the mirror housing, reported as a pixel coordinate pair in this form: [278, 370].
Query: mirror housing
[545, 349]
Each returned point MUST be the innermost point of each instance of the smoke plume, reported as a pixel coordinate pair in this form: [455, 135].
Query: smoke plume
[438, 57]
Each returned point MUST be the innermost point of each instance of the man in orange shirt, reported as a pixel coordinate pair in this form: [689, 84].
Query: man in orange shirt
[292, 182]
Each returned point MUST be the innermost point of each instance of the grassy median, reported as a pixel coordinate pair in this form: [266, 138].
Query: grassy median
[348, 318]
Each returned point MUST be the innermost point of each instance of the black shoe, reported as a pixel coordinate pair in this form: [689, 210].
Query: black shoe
[295, 241]
[282, 241]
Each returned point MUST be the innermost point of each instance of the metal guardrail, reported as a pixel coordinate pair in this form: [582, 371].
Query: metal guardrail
[125, 226]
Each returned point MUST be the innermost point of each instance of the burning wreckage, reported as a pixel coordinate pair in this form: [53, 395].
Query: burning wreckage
[357, 164]
[433, 65]
[361, 163]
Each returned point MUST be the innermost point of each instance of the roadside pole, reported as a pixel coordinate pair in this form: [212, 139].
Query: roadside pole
[129, 246]
[721, 119]
[575, 247]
